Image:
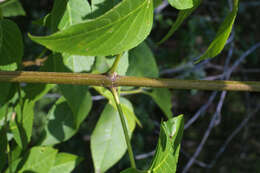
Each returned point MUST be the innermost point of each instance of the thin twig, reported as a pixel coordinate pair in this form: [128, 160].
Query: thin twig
[233, 134]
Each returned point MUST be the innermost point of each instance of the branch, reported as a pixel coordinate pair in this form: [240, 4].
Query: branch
[111, 81]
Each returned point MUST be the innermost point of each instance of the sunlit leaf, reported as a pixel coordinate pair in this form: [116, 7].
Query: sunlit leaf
[38, 159]
[120, 29]
[181, 4]
[223, 33]
[65, 163]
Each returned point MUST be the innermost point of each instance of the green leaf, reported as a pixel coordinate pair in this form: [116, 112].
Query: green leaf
[65, 163]
[107, 140]
[76, 63]
[22, 123]
[162, 98]
[118, 30]
[223, 33]
[12, 8]
[142, 62]
[79, 101]
[168, 147]
[39, 159]
[68, 12]
[11, 45]
[103, 64]
[182, 15]
[61, 125]
[181, 4]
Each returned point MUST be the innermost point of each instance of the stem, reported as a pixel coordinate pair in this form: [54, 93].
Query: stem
[115, 64]
[127, 138]
[105, 81]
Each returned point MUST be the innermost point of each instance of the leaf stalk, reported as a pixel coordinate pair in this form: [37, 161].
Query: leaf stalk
[127, 138]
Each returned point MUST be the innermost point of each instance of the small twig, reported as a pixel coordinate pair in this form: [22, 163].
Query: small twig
[233, 134]
[37, 62]
[197, 162]
[201, 110]
[161, 7]
[145, 155]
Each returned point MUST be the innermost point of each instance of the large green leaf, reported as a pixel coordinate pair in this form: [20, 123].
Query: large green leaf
[181, 4]
[65, 163]
[162, 97]
[79, 101]
[223, 33]
[22, 123]
[38, 160]
[107, 140]
[142, 62]
[168, 147]
[182, 15]
[64, 14]
[11, 45]
[120, 29]
[61, 125]
[12, 8]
